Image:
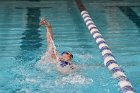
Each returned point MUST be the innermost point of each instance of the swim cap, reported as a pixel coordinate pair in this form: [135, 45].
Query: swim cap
[67, 52]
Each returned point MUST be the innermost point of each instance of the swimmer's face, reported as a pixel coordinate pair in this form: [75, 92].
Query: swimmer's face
[67, 57]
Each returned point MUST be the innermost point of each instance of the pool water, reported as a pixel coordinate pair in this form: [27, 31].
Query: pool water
[23, 42]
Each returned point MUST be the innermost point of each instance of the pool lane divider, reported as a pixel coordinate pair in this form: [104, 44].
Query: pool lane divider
[109, 59]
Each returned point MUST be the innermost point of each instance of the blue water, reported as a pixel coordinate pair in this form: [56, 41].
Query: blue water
[23, 42]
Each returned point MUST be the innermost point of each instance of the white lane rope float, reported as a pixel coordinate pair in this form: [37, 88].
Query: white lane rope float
[109, 59]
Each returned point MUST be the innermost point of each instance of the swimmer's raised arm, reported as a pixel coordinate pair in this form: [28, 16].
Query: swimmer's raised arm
[49, 34]
[49, 37]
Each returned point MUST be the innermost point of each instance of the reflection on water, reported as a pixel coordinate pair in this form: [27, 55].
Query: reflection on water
[31, 40]
[79, 26]
[31, 37]
[131, 14]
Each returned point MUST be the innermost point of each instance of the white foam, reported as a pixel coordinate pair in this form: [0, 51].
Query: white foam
[24, 90]
[31, 80]
[45, 63]
[85, 56]
[74, 79]
[130, 92]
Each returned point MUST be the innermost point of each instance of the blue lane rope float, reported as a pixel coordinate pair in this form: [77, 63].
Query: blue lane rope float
[109, 59]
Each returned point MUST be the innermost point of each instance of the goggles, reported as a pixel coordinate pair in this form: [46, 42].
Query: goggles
[68, 53]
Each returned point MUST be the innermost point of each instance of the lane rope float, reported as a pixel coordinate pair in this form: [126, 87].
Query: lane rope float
[109, 59]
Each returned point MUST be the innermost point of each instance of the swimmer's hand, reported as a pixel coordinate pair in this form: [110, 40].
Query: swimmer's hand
[43, 22]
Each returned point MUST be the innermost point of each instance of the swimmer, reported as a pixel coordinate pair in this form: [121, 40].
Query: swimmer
[64, 61]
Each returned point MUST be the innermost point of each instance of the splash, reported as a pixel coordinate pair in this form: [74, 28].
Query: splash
[73, 79]
[85, 56]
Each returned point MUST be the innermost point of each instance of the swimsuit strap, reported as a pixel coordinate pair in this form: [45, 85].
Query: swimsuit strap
[65, 63]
